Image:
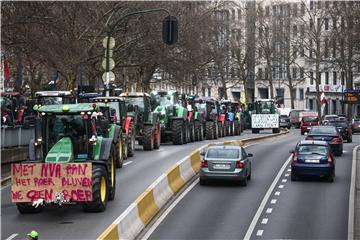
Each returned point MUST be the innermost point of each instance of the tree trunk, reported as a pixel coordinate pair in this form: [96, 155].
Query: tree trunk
[271, 85]
[291, 88]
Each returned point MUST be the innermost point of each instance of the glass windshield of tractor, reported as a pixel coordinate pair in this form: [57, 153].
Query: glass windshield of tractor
[136, 101]
[201, 107]
[164, 99]
[51, 100]
[73, 126]
[265, 107]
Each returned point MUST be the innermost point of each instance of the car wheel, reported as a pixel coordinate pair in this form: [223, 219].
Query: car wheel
[293, 177]
[338, 153]
[249, 177]
[243, 183]
[202, 182]
[331, 177]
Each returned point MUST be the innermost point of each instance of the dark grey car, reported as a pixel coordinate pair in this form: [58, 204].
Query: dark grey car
[225, 163]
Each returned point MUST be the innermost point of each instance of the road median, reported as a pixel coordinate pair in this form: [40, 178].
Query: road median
[140, 213]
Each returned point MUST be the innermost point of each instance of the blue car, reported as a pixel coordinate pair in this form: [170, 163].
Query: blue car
[313, 158]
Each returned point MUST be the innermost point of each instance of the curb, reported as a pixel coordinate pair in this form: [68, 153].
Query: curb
[139, 214]
[354, 198]
[5, 181]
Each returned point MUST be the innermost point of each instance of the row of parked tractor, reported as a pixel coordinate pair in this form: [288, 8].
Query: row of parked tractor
[103, 131]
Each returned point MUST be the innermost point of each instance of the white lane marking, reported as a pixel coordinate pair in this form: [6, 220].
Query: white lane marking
[351, 215]
[289, 170]
[284, 180]
[286, 175]
[259, 233]
[168, 210]
[265, 199]
[127, 163]
[344, 151]
[269, 210]
[277, 193]
[273, 201]
[12, 236]
[264, 221]
[281, 186]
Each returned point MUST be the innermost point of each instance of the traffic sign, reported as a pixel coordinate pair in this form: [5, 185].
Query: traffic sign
[352, 97]
[111, 64]
[111, 43]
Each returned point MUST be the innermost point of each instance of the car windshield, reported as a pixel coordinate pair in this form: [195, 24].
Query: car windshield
[223, 153]
[136, 101]
[265, 107]
[323, 131]
[284, 117]
[310, 119]
[312, 149]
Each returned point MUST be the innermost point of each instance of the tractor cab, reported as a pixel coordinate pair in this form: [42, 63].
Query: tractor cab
[265, 106]
[88, 97]
[117, 107]
[208, 106]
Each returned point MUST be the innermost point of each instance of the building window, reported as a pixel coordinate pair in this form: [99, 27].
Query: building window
[260, 53]
[280, 92]
[311, 104]
[334, 78]
[266, 73]
[301, 94]
[326, 78]
[295, 30]
[267, 10]
[232, 72]
[260, 73]
[209, 92]
[311, 78]
[319, 4]
[302, 31]
[311, 24]
[334, 106]
[263, 93]
[311, 5]
[294, 72]
[343, 78]
[334, 49]
[326, 50]
[302, 51]
[295, 9]
[326, 21]
[233, 14]
[327, 4]
[301, 73]
[239, 13]
[302, 8]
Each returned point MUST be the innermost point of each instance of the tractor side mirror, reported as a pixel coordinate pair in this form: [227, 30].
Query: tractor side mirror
[250, 155]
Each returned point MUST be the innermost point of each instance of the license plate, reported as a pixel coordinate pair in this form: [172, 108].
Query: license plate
[312, 160]
[221, 166]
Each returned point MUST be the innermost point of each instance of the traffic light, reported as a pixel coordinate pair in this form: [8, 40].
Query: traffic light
[170, 30]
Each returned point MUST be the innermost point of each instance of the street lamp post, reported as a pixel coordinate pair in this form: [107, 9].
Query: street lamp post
[110, 42]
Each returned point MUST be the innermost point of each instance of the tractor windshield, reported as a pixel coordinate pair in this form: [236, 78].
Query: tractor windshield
[201, 107]
[265, 107]
[165, 100]
[136, 101]
[47, 100]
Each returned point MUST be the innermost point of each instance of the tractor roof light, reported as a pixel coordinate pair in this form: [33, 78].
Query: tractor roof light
[43, 114]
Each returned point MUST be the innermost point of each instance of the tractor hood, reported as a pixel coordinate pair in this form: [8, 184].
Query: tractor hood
[61, 152]
[161, 110]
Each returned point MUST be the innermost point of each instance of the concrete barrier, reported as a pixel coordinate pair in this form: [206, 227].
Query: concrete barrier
[138, 215]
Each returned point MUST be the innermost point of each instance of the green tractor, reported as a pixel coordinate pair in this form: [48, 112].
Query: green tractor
[194, 117]
[141, 120]
[117, 114]
[72, 134]
[174, 120]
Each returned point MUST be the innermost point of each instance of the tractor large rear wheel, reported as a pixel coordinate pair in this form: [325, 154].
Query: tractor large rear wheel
[100, 190]
[149, 138]
[112, 173]
[158, 136]
[178, 132]
[210, 131]
[199, 131]
[237, 128]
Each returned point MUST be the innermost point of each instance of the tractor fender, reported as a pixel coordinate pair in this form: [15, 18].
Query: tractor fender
[221, 118]
[190, 116]
[114, 133]
[181, 112]
[127, 124]
[231, 116]
[105, 149]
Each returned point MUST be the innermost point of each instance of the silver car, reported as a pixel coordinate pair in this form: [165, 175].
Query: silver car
[225, 163]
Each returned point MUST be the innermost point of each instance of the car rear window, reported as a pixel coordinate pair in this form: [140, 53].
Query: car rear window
[310, 119]
[312, 149]
[223, 153]
[337, 123]
[356, 120]
[323, 131]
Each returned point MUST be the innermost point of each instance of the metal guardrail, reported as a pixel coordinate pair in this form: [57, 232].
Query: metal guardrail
[16, 136]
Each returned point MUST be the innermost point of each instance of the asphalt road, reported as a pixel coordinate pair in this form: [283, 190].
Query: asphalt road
[310, 209]
[72, 223]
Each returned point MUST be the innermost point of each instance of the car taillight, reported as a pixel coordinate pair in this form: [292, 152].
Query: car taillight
[309, 138]
[295, 157]
[204, 164]
[336, 139]
[239, 164]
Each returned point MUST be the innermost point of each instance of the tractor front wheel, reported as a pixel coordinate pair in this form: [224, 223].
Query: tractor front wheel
[119, 152]
[178, 132]
[112, 173]
[100, 190]
[192, 132]
[27, 208]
